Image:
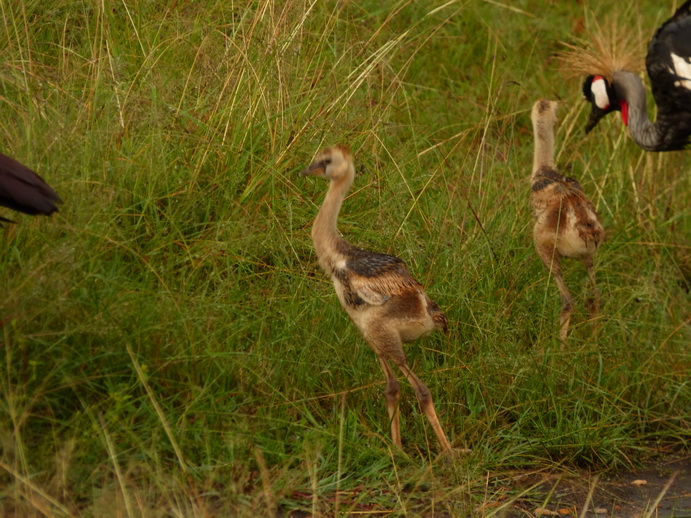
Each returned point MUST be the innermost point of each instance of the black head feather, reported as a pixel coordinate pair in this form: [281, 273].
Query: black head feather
[597, 113]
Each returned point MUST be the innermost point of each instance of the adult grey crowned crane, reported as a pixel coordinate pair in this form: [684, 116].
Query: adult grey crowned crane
[386, 304]
[669, 68]
[24, 191]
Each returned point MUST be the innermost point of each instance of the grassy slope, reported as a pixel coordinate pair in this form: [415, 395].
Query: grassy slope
[169, 344]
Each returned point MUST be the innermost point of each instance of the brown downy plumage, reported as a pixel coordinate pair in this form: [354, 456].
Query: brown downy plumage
[385, 302]
[566, 224]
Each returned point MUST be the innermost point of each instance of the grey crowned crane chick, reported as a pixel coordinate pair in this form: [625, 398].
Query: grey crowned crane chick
[669, 68]
[384, 301]
[566, 224]
[23, 190]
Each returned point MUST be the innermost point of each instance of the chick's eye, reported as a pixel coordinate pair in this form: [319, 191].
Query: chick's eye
[327, 161]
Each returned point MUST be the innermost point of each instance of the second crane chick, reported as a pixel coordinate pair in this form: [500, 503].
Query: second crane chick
[384, 301]
[566, 224]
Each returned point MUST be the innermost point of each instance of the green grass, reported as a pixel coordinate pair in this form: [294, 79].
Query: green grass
[169, 344]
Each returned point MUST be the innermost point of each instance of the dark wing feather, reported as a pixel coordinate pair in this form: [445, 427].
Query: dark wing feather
[23, 190]
[374, 277]
[672, 98]
[373, 264]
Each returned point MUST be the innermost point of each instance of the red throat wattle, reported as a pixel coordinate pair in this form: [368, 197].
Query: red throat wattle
[625, 112]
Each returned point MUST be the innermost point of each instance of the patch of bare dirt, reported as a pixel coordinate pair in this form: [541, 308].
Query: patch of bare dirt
[660, 490]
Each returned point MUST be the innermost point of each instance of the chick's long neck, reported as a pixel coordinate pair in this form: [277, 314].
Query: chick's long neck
[325, 235]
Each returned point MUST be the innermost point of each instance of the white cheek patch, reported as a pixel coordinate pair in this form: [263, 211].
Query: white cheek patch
[682, 69]
[599, 89]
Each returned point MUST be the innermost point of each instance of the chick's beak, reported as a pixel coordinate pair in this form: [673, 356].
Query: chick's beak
[314, 169]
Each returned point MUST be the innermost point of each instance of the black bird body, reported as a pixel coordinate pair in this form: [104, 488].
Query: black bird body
[21, 189]
[669, 67]
[668, 63]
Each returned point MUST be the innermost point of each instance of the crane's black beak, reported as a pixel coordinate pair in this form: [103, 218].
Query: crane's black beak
[317, 168]
[595, 115]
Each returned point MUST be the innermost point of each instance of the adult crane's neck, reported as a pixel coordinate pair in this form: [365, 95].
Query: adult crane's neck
[629, 87]
[543, 132]
[324, 231]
